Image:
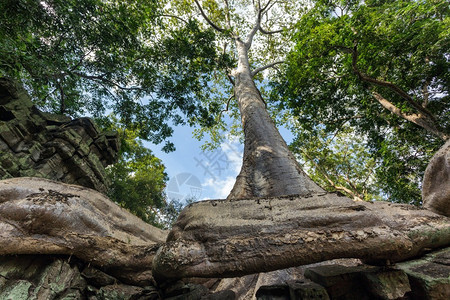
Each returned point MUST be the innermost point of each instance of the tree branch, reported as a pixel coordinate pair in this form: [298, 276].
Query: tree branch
[423, 118]
[417, 119]
[383, 83]
[175, 17]
[426, 93]
[62, 102]
[257, 26]
[230, 79]
[227, 107]
[211, 23]
[257, 70]
[266, 7]
[251, 34]
[227, 14]
[269, 32]
[102, 79]
[81, 60]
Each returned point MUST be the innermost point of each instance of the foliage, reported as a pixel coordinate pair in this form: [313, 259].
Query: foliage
[93, 56]
[138, 179]
[232, 20]
[337, 161]
[380, 67]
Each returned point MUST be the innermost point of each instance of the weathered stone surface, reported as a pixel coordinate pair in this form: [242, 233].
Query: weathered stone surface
[120, 292]
[46, 277]
[97, 278]
[38, 144]
[429, 276]
[341, 282]
[40, 277]
[245, 287]
[223, 295]
[232, 238]
[436, 182]
[273, 292]
[387, 284]
[42, 216]
[360, 282]
[307, 290]
[186, 292]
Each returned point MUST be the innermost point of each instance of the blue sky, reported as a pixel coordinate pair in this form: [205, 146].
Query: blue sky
[198, 174]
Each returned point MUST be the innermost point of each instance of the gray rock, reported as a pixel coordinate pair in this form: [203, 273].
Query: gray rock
[436, 182]
[273, 292]
[360, 282]
[120, 292]
[97, 278]
[429, 276]
[341, 282]
[39, 277]
[307, 290]
[387, 284]
[222, 295]
[46, 277]
[37, 144]
[186, 292]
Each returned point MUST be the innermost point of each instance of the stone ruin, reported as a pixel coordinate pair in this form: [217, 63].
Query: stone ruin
[68, 241]
[38, 144]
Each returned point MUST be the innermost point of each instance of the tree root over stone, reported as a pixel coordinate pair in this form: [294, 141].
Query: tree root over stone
[39, 216]
[223, 238]
[214, 239]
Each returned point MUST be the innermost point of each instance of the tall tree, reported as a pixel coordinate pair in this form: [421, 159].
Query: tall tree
[319, 226]
[382, 68]
[247, 30]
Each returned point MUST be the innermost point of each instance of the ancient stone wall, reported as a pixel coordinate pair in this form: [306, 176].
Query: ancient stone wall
[38, 144]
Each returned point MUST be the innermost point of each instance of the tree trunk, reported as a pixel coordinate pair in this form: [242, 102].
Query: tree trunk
[269, 168]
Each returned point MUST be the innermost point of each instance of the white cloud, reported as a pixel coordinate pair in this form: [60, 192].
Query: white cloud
[219, 187]
[221, 170]
[234, 153]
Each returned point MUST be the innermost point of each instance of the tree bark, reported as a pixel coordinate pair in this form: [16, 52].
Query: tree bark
[269, 168]
[235, 238]
[47, 217]
[436, 182]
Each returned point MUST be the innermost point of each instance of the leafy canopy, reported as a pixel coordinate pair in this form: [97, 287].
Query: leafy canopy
[380, 67]
[92, 57]
[337, 162]
[233, 20]
[138, 179]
